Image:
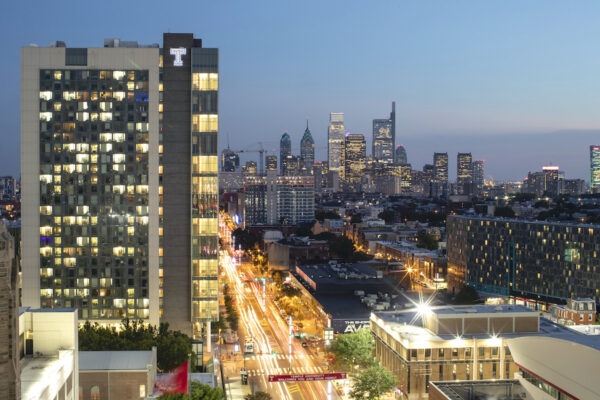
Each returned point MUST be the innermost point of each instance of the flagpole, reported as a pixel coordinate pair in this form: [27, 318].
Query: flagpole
[189, 376]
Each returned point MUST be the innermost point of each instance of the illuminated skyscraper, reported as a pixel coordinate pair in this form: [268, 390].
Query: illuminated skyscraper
[120, 164]
[595, 169]
[464, 173]
[355, 160]
[384, 138]
[336, 142]
[90, 164]
[307, 152]
[285, 150]
[440, 175]
[401, 157]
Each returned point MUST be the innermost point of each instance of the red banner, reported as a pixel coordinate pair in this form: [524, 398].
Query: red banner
[175, 381]
[307, 377]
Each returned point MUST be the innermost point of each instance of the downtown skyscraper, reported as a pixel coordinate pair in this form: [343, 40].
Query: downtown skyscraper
[285, 151]
[439, 186]
[355, 160]
[478, 175]
[595, 169]
[119, 168]
[336, 142]
[307, 152]
[464, 173]
[384, 138]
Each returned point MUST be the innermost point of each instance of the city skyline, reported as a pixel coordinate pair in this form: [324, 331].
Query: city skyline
[447, 83]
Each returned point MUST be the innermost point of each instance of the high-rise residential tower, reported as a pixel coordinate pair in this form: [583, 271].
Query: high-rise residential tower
[307, 152]
[120, 163]
[401, 157]
[355, 160]
[478, 175]
[285, 150]
[90, 164]
[595, 169]
[464, 173]
[336, 140]
[384, 138]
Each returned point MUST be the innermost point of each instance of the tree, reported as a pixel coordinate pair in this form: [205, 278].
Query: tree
[172, 347]
[467, 295]
[245, 238]
[258, 396]
[322, 215]
[388, 216]
[426, 241]
[351, 349]
[200, 391]
[372, 383]
[356, 219]
[506, 212]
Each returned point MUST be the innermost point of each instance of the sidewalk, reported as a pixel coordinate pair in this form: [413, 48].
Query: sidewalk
[234, 390]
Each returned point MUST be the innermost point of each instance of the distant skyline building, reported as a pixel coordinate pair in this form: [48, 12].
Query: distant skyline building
[307, 152]
[271, 163]
[384, 138]
[336, 143]
[401, 156]
[478, 175]
[355, 160]
[595, 168]
[440, 175]
[230, 160]
[464, 173]
[285, 150]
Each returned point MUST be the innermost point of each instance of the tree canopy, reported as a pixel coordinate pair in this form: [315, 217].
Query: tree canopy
[351, 349]
[506, 212]
[245, 238]
[258, 396]
[200, 391]
[467, 295]
[172, 347]
[372, 383]
[426, 241]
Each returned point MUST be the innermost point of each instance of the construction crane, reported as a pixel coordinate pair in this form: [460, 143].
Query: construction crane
[261, 151]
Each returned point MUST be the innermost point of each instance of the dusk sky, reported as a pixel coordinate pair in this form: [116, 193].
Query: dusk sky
[517, 83]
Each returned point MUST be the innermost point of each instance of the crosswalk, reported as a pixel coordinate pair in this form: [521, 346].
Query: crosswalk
[283, 371]
[278, 356]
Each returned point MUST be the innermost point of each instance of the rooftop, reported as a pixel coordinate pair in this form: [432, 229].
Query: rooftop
[492, 389]
[42, 376]
[409, 325]
[525, 221]
[115, 360]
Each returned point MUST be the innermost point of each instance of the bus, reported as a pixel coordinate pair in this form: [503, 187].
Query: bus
[249, 346]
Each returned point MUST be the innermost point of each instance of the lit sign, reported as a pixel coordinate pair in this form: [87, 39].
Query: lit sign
[178, 53]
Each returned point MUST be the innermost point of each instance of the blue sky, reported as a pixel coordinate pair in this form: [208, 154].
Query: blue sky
[465, 75]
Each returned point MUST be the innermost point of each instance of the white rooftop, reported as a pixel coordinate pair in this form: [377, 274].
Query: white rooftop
[115, 360]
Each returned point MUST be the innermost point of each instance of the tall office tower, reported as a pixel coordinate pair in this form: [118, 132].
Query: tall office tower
[271, 163]
[595, 169]
[307, 152]
[229, 160]
[464, 173]
[384, 138]
[9, 307]
[190, 184]
[8, 188]
[401, 157]
[90, 164]
[440, 175]
[336, 141]
[478, 176]
[285, 150]
[355, 160]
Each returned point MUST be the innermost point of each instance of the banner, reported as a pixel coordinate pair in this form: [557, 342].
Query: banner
[175, 381]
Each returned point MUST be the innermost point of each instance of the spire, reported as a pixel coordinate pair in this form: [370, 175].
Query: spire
[306, 123]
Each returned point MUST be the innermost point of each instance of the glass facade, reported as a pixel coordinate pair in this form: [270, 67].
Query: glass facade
[595, 169]
[538, 260]
[335, 154]
[205, 187]
[383, 141]
[355, 160]
[93, 181]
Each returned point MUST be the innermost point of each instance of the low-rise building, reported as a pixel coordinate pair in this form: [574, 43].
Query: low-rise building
[575, 312]
[284, 254]
[48, 340]
[126, 375]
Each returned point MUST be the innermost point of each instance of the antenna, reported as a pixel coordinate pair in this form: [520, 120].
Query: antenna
[228, 140]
